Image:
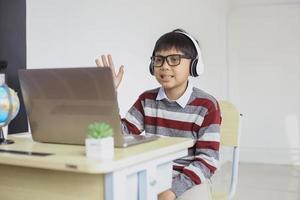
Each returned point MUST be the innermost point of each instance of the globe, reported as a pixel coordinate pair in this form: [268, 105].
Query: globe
[9, 106]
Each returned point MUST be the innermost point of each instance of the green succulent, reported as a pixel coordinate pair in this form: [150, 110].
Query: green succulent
[98, 130]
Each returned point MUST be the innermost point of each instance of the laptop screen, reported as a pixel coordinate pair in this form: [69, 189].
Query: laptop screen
[62, 102]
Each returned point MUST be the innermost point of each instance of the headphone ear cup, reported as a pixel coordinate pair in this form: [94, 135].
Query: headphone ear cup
[151, 69]
[193, 68]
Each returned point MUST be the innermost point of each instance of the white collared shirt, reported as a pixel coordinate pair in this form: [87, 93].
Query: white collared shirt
[182, 101]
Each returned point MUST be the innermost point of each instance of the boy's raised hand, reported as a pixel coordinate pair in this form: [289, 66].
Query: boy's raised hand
[106, 61]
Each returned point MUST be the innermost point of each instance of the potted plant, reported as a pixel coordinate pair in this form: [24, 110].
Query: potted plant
[99, 142]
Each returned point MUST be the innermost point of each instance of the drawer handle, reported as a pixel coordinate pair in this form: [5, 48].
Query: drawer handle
[153, 182]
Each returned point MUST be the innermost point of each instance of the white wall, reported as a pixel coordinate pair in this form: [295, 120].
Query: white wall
[250, 49]
[264, 77]
[63, 33]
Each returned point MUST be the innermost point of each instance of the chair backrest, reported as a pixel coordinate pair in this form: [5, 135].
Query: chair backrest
[230, 129]
[230, 124]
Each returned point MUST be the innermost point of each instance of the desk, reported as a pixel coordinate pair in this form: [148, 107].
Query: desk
[137, 172]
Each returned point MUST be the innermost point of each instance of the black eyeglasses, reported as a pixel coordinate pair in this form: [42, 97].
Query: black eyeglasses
[172, 60]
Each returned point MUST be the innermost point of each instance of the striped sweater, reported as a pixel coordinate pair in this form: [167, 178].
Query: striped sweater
[199, 119]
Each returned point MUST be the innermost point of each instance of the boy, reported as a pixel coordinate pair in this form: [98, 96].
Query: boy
[177, 109]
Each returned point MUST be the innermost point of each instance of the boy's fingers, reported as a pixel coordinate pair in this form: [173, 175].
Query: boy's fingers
[119, 76]
[104, 61]
[111, 64]
[121, 71]
[98, 62]
[110, 60]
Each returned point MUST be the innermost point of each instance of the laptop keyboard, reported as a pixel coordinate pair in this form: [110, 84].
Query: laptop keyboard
[137, 139]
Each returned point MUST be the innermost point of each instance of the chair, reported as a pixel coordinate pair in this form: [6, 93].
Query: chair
[230, 129]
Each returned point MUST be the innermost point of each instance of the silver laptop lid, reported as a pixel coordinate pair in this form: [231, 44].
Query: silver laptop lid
[61, 102]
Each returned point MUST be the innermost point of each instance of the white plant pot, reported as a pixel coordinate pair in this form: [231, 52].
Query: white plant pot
[100, 148]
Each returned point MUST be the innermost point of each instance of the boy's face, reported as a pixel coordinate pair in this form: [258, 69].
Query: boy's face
[172, 78]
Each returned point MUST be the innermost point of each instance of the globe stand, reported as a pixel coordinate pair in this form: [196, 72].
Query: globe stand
[10, 114]
[3, 140]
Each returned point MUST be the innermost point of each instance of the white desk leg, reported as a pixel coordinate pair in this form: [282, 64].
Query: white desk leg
[115, 186]
[142, 188]
[147, 181]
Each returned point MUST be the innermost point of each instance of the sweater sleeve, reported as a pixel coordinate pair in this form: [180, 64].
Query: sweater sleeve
[204, 162]
[133, 123]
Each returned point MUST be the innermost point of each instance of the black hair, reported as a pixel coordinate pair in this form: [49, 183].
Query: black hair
[178, 41]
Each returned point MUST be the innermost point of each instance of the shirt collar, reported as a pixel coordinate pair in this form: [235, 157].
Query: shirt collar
[182, 101]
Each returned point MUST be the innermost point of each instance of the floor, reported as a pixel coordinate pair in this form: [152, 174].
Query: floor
[263, 182]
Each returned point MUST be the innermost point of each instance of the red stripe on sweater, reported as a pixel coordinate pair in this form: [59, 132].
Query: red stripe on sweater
[213, 113]
[192, 176]
[208, 145]
[211, 168]
[148, 95]
[132, 128]
[167, 123]
[138, 105]
[202, 102]
[178, 168]
[196, 128]
[213, 117]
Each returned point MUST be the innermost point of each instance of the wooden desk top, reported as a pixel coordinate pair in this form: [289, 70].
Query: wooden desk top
[72, 157]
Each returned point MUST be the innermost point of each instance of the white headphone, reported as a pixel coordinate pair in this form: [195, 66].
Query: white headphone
[197, 66]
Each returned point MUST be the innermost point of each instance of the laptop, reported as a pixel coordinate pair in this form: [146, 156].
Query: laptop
[62, 102]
